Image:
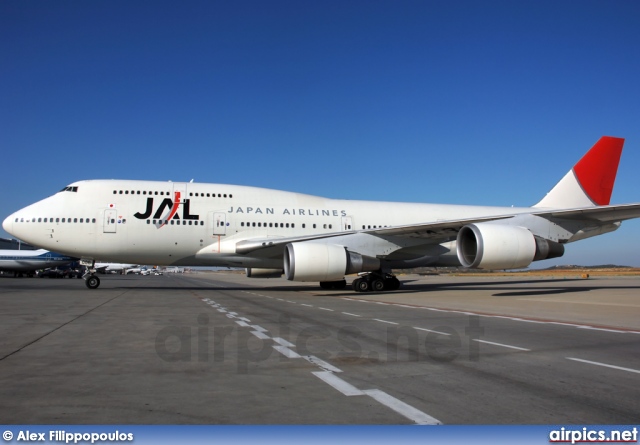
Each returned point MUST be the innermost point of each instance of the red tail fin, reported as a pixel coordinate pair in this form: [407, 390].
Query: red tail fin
[596, 171]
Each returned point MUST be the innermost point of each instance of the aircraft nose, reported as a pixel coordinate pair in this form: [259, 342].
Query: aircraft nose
[7, 224]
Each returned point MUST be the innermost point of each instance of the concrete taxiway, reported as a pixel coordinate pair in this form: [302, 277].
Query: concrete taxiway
[218, 348]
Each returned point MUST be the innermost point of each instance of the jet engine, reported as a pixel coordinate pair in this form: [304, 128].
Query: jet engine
[324, 262]
[494, 246]
[253, 272]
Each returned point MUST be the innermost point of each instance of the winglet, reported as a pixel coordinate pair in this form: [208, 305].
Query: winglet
[590, 182]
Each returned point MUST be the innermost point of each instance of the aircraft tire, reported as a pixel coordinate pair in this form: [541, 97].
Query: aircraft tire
[92, 282]
[361, 285]
[377, 285]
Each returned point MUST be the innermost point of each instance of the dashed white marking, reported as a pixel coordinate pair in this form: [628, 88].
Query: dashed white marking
[283, 342]
[402, 408]
[604, 364]
[337, 383]
[353, 315]
[431, 330]
[453, 311]
[242, 323]
[289, 301]
[222, 310]
[307, 305]
[325, 309]
[385, 321]
[500, 344]
[286, 351]
[260, 335]
[231, 316]
[244, 319]
[321, 363]
[259, 328]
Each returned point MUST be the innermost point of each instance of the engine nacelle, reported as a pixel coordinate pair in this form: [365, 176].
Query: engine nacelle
[494, 246]
[324, 262]
[253, 272]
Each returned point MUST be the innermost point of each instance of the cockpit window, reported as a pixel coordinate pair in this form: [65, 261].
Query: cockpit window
[70, 189]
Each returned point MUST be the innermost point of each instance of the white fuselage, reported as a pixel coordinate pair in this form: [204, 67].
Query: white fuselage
[136, 222]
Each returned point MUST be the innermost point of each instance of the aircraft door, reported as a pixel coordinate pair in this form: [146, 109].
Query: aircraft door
[110, 221]
[347, 223]
[218, 223]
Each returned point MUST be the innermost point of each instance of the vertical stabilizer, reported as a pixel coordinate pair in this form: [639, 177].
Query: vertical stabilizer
[590, 182]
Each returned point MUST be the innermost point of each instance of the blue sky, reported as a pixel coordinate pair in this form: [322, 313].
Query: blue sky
[473, 102]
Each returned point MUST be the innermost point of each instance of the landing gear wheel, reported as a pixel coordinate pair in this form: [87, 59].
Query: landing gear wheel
[377, 285]
[92, 282]
[360, 285]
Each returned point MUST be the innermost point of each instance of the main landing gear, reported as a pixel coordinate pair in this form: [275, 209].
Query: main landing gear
[370, 281]
[376, 282]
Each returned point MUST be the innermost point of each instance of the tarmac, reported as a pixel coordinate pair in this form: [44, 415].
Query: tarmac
[219, 348]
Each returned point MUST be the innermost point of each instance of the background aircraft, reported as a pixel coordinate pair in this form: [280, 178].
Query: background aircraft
[28, 261]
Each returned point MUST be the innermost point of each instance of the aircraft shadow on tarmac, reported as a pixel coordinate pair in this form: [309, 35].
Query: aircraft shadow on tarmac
[507, 288]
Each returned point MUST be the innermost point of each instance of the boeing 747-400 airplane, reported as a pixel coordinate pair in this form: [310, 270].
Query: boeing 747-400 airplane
[309, 238]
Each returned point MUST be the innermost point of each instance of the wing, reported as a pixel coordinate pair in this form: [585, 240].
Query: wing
[439, 231]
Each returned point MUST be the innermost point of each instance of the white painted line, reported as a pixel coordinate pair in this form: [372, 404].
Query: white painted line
[233, 313]
[307, 305]
[283, 342]
[384, 321]
[605, 365]
[500, 344]
[259, 328]
[260, 335]
[353, 315]
[244, 319]
[289, 301]
[242, 323]
[231, 316]
[325, 309]
[321, 363]
[404, 409]
[431, 330]
[222, 310]
[384, 304]
[337, 383]
[602, 329]
[286, 352]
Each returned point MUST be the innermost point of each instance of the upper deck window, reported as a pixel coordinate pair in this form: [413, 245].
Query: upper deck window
[70, 189]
